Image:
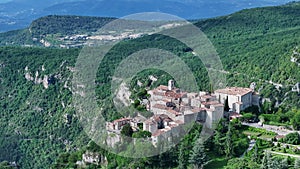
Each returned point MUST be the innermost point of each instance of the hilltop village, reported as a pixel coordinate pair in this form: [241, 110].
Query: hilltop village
[173, 108]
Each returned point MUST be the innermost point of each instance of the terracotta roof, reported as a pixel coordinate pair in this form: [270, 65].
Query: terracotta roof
[160, 106]
[196, 110]
[193, 94]
[161, 117]
[162, 87]
[155, 92]
[172, 94]
[174, 112]
[218, 105]
[149, 121]
[234, 91]
[123, 119]
[210, 103]
[207, 96]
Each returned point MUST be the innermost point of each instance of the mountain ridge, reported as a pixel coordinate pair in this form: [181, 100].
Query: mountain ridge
[18, 14]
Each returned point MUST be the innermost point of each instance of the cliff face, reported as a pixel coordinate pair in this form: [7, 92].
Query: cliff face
[37, 115]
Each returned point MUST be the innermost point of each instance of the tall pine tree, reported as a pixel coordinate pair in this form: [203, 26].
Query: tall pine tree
[181, 158]
[228, 143]
[255, 153]
[198, 156]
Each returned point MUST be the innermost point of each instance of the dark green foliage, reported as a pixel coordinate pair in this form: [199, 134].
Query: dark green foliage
[6, 165]
[229, 143]
[127, 130]
[32, 125]
[67, 25]
[296, 121]
[241, 163]
[136, 103]
[226, 105]
[141, 134]
[292, 138]
[255, 155]
[297, 163]
[247, 117]
[198, 156]
[266, 161]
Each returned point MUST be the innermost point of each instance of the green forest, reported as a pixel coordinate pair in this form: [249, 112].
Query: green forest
[39, 126]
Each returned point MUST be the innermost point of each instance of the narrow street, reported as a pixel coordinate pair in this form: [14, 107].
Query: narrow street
[285, 154]
[276, 129]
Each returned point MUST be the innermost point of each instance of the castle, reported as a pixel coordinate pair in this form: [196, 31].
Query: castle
[174, 108]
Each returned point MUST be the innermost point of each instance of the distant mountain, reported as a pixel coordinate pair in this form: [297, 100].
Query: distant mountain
[18, 14]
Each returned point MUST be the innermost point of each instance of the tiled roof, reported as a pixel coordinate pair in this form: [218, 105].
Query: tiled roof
[234, 91]
[172, 94]
[210, 103]
[162, 87]
[196, 110]
[123, 119]
[160, 106]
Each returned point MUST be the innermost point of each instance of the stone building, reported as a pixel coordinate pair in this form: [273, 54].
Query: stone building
[185, 107]
[238, 98]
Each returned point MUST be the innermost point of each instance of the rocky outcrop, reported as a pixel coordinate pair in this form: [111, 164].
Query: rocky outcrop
[123, 95]
[295, 58]
[91, 158]
[37, 79]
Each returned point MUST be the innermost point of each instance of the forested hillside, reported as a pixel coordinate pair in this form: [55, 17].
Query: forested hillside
[57, 26]
[38, 121]
[256, 45]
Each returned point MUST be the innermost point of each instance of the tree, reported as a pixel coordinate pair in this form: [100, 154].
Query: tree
[127, 130]
[136, 103]
[141, 134]
[292, 138]
[236, 163]
[181, 161]
[255, 153]
[274, 164]
[266, 161]
[247, 117]
[284, 164]
[297, 163]
[296, 121]
[228, 143]
[5, 165]
[226, 105]
[261, 119]
[198, 156]
[218, 143]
